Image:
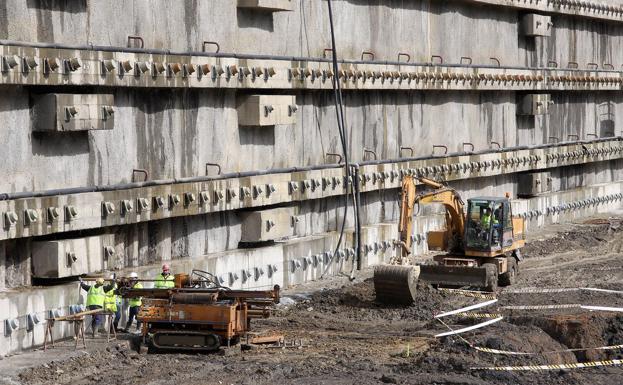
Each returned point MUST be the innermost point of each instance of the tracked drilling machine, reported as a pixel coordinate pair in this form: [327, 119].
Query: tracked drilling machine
[482, 245]
[197, 313]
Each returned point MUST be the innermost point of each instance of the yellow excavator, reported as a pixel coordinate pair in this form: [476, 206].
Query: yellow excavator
[482, 245]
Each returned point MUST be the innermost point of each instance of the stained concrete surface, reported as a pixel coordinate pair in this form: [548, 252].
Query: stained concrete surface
[423, 28]
[174, 133]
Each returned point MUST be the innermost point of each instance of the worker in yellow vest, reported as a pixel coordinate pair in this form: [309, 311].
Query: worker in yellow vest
[96, 295]
[165, 280]
[112, 304]
[134, 303]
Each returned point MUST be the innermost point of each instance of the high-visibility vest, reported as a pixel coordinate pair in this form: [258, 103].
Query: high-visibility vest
[110, 301]
[485, 220]
[95, 296]
[134, 302]
[163, 282]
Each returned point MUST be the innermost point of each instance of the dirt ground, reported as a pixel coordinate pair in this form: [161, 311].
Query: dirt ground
[350, 339]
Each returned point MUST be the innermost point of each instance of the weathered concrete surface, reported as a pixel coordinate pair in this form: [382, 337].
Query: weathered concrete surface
[174, 133]
[192, 236]
[422, 28]
[39, 300]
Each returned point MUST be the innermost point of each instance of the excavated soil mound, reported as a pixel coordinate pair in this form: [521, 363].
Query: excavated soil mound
[358, 302]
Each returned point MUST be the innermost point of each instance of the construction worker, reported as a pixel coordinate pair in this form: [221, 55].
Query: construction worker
[485, 222]
[96, 295]
[165, 279]
[112, 304]
[485, 219]
[134, 303]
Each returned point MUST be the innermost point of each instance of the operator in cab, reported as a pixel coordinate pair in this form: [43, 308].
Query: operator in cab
[486, 220]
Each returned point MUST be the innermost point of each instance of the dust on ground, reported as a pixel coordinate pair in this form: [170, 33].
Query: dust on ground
[351, 339]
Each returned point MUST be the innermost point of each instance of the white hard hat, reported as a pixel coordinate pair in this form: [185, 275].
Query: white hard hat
[133, 275]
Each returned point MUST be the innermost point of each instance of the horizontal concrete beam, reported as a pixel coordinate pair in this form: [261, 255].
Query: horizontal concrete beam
[110, 206]
[590, 9]
[570, 204]
[30, 65]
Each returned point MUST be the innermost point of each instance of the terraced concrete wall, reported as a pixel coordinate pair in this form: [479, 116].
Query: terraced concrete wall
[171, 126]
[422, 28]
[172, 134]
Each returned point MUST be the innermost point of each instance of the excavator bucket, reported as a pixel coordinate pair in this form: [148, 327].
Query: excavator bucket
[456, 276]
[395, 284]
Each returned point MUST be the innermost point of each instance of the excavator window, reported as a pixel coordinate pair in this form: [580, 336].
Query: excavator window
[507, 237]
[479, 223]
[486, 221]
[498, 223]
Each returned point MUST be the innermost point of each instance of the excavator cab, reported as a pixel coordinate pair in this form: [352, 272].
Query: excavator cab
[489, 226]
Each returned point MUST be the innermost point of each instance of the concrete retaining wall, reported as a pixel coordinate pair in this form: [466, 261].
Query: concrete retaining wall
[422, 28]
[173, 133]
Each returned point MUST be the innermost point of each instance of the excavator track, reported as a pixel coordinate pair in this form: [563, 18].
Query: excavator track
[396, 284]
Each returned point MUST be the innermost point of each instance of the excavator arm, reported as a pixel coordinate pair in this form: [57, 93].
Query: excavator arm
[405, 224]
[448, 239]
[396, 282]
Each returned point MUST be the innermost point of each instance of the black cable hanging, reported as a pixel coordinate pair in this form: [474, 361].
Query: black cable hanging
[339, 112]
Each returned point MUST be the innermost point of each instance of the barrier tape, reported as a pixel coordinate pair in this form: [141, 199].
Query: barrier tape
[467, 308]
[480, 315]
[504, 352]
[577, 365]
[510, 352]
[469, 293]
[608, 269]
[563, 306]
[536, 290]
[602, 308]
[466, 329]
[602, 290]
[515, 353]
[541, 307]
[533, 290]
